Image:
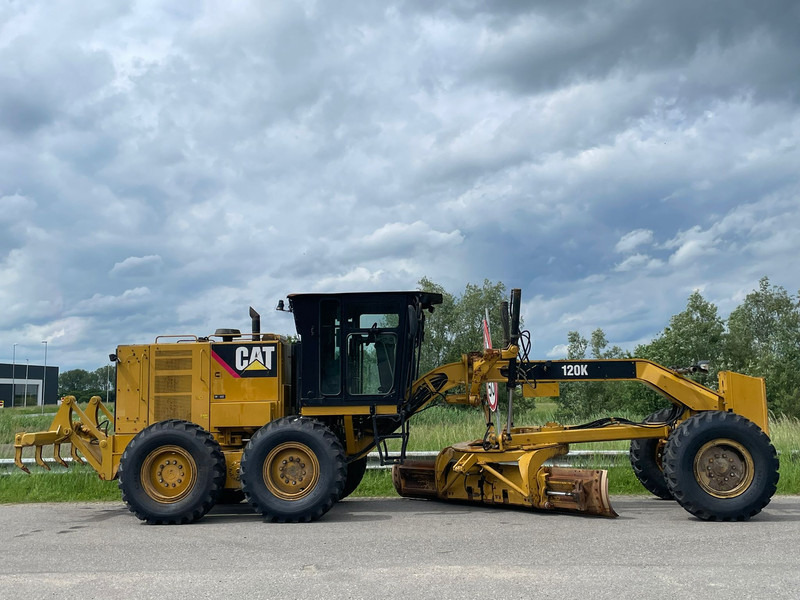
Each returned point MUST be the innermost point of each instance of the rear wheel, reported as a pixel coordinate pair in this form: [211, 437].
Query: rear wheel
[720, 466]
[355, 473]
[646, 459]
[171, 472]
[293, 469]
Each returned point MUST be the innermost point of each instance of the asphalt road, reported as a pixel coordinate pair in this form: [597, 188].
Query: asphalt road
[400, 548]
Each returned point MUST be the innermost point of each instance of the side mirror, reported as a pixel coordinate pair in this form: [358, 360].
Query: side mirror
[413, 322]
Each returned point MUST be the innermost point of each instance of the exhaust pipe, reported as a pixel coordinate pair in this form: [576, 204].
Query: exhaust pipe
[255, 319]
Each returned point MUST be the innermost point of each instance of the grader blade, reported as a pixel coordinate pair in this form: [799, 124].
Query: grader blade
[550, 488]
[581, 490]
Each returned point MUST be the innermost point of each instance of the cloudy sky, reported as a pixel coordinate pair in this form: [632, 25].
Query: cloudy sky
[163, 165]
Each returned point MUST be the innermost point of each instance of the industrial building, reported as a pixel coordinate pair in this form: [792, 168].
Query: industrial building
[32, 385]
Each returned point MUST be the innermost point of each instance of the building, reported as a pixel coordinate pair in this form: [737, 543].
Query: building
[30, 384]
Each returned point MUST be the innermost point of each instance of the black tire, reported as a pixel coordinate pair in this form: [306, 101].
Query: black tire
[720, 467]
[646, 459]
[355, 473]
[293, 470]
[184, 459]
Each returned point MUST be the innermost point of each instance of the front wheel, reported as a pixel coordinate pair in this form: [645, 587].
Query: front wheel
[720, 466]
[171, 472]
[293, 469]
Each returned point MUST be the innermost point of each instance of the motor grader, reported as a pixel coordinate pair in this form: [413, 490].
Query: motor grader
[287, 424]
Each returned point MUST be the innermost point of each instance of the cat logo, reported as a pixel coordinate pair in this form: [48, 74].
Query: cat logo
[254, 358]
[246, 360]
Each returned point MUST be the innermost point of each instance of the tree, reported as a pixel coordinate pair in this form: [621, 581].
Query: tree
[694, 335]
[74, 381]
[762, 338]
[105, 381]
[84, 384]
[764, 341]
[455, 327]
[586, 399]
[438, 327]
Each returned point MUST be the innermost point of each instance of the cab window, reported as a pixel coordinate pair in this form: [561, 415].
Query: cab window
[371, 362]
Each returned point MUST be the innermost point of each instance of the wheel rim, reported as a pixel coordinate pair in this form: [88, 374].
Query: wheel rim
[291, 471]
[724, 468]
[168, 474]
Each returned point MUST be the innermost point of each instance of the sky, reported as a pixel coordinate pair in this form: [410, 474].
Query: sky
[165, 165]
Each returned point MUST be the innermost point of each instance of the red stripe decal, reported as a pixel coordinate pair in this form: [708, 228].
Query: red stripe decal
[225, 365]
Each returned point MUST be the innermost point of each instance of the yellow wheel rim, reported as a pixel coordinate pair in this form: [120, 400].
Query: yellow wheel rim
[291, 471]
[724, 468]
[168, 474]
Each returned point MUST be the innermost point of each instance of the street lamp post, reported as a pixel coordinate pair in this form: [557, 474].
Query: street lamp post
[44, 376]
[27, 369]
[13, 374]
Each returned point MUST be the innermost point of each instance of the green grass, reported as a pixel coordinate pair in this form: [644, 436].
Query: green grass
[75, 484]
[432, 429]
[15, 420]
[376, 482]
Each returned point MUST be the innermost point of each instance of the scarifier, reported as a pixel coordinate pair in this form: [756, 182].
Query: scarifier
[288, 424]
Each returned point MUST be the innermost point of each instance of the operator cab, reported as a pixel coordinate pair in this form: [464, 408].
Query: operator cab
[358, 348]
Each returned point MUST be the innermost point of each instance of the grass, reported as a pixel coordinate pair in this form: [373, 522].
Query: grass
[433, 429]
[76, 484]
[15, 420]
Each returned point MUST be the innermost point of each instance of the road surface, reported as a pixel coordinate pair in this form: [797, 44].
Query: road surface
[400, 548]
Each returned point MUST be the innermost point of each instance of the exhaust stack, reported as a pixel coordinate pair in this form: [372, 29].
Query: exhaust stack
[255, 319]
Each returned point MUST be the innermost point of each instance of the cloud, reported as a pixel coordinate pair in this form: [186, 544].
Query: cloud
[15, 208]
[558, 351]
[405, 238]
[638, 261]
[163, 168]
[633, 239]
[138, 266]
[99, 304]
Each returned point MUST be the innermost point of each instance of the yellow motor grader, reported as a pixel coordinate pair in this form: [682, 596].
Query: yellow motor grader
[288, 424]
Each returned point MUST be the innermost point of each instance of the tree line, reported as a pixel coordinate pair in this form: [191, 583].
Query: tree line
[84, 384]
[761, 337]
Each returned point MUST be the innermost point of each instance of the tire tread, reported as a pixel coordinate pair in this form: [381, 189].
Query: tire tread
[643, 461]
[332, 446]
[217, 482]
[696, 503]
